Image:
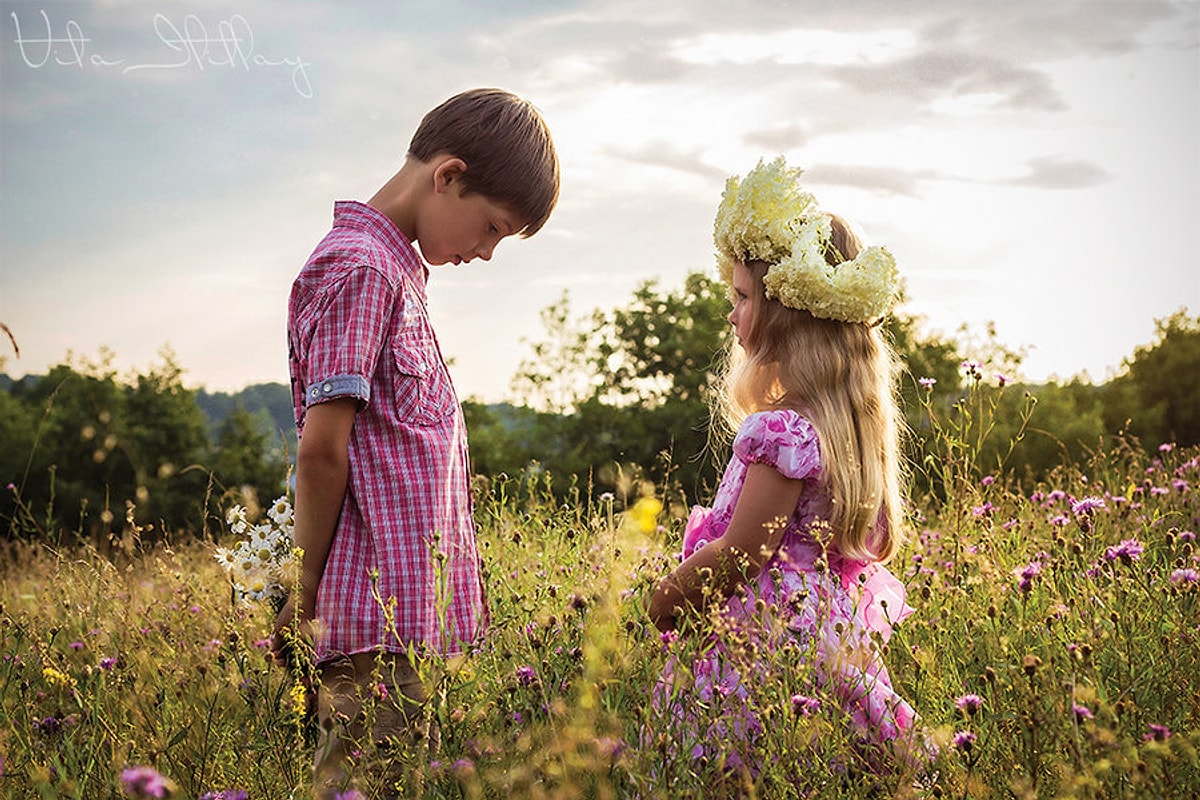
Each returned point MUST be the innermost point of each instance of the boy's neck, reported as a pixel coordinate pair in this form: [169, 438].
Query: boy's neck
[399, 198]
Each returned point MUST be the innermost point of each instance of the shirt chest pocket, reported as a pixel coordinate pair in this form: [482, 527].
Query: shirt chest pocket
[423, 394]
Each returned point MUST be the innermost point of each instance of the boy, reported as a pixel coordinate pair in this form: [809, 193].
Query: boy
[382, 493]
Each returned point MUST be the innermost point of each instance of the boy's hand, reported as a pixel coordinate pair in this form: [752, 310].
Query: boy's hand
[290, 627]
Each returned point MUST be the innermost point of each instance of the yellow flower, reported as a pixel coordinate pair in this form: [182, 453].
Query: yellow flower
[644, 514]
[56, 677]
[299, 697]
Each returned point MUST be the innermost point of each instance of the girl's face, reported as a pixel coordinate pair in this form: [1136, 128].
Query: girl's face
[741, 317]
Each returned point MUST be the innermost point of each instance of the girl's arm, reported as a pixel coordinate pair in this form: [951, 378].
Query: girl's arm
[322, 472]
[766, 503]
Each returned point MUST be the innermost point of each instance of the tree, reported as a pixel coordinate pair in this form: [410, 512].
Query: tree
[1159, 391]
[243, 462]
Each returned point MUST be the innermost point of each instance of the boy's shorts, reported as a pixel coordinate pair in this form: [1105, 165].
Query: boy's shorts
[368, 704]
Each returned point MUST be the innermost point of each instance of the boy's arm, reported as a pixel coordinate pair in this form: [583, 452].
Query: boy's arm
[767, 500]
[322, 471]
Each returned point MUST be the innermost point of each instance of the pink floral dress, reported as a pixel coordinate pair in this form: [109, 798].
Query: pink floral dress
[813, 601]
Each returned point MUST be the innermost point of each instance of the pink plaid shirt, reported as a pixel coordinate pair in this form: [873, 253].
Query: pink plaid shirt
[358, 327]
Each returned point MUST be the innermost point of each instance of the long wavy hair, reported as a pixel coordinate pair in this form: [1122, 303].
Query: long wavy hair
[842, 377]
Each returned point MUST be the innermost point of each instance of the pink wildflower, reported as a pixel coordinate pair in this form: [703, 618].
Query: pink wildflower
[145, 782]
[963, 740]
[969, 703]
[1082, 713]
[1128, 550]
[1159, 733]
[1184, 577]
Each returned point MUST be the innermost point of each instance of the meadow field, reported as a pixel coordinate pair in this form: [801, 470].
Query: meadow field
[1054, 652]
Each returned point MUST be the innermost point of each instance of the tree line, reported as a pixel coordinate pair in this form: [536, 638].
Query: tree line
[604, 399]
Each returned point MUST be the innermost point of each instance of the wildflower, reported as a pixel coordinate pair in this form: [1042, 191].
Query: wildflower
[805, 706]
[988, 480]
[1087, 505]
[226, 794]
[107, 663]
[1184, 577]
[299, 698]
[644, 514]
[1060, 521]
[526, 675]
[146, 782]
[984, 510]
[1082, 713]
[927, 383]
[463, 767]
[1187, 536]
[1128, 550]
[1158, 733]
[1026, 574]
[609, 747]
[963, 740]
[1180, 485]
[1001, 379]
[56, 677]
[381, 691]
[1166, 447]
[76, 645]
[353, 794]
[969, 704]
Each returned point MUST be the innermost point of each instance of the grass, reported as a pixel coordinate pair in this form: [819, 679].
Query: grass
[1054, 652]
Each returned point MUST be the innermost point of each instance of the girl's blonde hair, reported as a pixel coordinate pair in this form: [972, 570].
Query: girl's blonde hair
[841, 376]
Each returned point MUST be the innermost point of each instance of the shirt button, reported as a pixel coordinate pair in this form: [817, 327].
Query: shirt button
[327, 388]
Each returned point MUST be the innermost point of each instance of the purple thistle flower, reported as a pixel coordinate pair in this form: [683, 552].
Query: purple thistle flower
[804, 705]
[526, 675]
[1025, 576]
[1128, 550]
[963, 740]
[1184, 577]
[1087, 505]
[969, 703]
[144, 782]
[1158, 733]
[1082, 713]
[226, 794]
[1187, 536]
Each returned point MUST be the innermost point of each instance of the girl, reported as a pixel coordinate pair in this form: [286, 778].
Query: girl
[788, 558]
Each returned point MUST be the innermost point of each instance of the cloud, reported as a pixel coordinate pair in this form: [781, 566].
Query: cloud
[1053, 172]
[881, 179]
[662, 154]
[930, 75]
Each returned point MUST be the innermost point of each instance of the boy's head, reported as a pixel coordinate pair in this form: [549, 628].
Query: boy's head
[506, 146]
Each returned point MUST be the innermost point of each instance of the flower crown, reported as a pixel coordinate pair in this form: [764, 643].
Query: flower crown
[767, 217]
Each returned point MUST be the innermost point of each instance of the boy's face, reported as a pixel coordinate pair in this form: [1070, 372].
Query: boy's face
[460, 227]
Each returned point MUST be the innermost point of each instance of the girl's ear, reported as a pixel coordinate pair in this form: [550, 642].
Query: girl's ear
[448, 170]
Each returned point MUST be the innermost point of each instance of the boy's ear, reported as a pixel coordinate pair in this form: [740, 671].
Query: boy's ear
[447, 170]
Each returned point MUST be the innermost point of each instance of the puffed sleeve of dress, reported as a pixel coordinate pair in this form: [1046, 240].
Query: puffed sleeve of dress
[781, 438]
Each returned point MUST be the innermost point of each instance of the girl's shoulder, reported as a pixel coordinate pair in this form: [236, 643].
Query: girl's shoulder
[783, 438]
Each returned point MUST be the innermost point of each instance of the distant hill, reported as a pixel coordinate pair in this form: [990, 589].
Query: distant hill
[269, 403]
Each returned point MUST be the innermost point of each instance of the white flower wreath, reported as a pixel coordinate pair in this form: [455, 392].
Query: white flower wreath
[767, 217]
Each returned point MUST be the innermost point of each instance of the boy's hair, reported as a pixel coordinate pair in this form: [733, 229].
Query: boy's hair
[507, 148]
[842, 377]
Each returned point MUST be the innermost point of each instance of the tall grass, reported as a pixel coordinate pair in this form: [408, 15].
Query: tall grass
[1054, 652]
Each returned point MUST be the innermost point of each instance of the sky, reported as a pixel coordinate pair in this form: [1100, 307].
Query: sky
[167, 167]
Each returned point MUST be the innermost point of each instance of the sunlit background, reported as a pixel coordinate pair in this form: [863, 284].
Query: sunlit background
[1035, 164]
